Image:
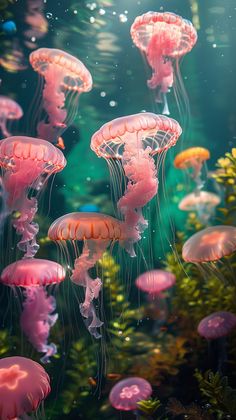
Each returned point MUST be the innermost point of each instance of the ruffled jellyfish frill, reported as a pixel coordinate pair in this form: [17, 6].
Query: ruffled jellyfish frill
[63, 75]
[38, 314]
[97, 231]
[9, 110]
[27, 163]
[126, 393]
[24, 384]
[134, 140]
[162, 38]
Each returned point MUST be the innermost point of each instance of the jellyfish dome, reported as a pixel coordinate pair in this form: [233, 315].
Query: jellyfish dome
[210, 244]
[27, 163]
[163, 38]
[134, 140]
[193, 158]
[24, 384]
[97, 231]
[127, 393]
[63, 75]
[217, 325]
[203, 202]
[155, 281]
[9, 110]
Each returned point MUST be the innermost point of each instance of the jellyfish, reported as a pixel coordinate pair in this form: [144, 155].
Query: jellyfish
[210, 245]
[203, 202]
[66, 78]
[24, 384]
[126, 393]
[163, 38]
[215, 328]
[9, 110]
[38, 314]
[154, 283]
[35, 19]
[193, 159]
[27, 163]
[97, 231]
[134, 140]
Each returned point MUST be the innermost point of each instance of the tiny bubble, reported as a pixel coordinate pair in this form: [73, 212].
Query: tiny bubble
[49, 15]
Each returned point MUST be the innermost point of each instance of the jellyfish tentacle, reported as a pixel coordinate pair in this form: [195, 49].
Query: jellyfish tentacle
[25, 226]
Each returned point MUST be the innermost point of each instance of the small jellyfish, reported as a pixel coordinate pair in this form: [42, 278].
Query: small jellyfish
[163, 38]
[155, 282]
[36, 21]
[27, 164]
[66, 78]
[97, 231]
[38, 314]
[127, 393]
[9, 111]
[202, 202]
[193, 159]
[210, 245]
[134, 140]
[24, 384]
[215, 328]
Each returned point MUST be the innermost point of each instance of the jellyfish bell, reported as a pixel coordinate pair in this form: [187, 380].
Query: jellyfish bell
[206, 247]
[217, 325]
[155, 282]
[24, 384]
[66, 77]
[132, 141]
[203, 202]
[9, 110]
[38, 314]
[163, 38]
[97, 232]
[126, 393]
[193, 158]
[27, 164]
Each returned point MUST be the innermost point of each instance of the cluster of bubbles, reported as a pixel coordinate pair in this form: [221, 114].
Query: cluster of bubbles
[128, 144]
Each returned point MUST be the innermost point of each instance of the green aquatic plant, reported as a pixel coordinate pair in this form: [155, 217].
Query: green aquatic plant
[221, 398]
[150, 406]
[4, 343]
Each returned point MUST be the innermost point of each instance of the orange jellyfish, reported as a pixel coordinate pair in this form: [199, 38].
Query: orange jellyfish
[9, 110]
[66, 78]
[163, 38]
[27, 164]
[97, 231]
[24, 384]
[134, 140]
[203, 202]
[193, 159]
[210, 245]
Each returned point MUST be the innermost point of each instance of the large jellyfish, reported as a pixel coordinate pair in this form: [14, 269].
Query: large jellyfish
[210, 245]
[192, 160]
[9, 110]
[38, 308]
[24, 384]
[163, 38]
[27, 162]
[97, 231]
[203, 202]
[127, 393]
[66, 78]
[134, 140]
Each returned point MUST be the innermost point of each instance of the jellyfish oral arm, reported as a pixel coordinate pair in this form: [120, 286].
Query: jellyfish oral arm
[25, 226]
[139, 168]
[3, 127]
[92, 252]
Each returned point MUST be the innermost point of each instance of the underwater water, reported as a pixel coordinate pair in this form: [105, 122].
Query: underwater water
[117, 209]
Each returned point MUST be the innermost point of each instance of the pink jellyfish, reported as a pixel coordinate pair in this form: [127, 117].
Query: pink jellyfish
[66, 78]
[24, 384]
[163, 38]
[209, 245]
[215, 328]
[155, 282]
[9, 110]
[37, 317]
[202, 202]
[37, 22]
[134, 140]
[127, 393]
[27, 164]
[97, 231]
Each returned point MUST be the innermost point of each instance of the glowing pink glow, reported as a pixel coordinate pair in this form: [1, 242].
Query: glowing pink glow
[216, 325]
[24, 384]
[155, 281]
[126, 393]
